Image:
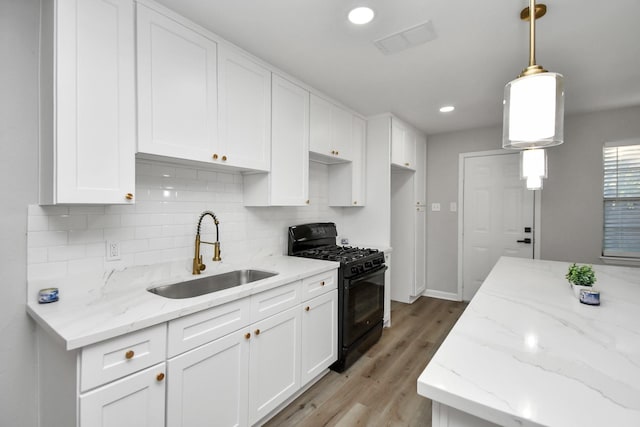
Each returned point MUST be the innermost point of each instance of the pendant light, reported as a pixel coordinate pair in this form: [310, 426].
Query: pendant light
[533, 114]
[533, 167]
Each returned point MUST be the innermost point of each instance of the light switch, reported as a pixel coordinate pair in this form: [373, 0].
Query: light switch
[435, 207]
[453, 206]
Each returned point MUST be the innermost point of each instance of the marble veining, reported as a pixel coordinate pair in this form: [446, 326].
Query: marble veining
[99, 306]
[527, 352]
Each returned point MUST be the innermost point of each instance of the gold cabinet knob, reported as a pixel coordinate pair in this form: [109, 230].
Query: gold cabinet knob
[160, 376]
[224, 158]
[247, 335]
[322, 283]
[215, 156]
[257, 332]
[129, 354]
[307, 202]
[406, 164]
[307, 308]
[333, 152]
[128, 196]
[355, 202]
[337, 153]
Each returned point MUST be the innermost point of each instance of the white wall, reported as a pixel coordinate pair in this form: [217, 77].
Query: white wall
[571, 199]
[18, 188]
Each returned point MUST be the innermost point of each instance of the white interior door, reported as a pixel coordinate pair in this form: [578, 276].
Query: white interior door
[498, 216]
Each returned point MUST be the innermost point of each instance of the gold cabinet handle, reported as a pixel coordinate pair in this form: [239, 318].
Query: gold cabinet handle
[129, 354]
[224, 158]
[215, 156]
[128, 196]
[160, 376]
[307, 308]
[257, 332]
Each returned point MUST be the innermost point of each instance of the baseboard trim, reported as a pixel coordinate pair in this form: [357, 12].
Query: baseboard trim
[451, 296]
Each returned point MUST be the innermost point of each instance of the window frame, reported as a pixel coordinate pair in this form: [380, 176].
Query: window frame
[623, 257]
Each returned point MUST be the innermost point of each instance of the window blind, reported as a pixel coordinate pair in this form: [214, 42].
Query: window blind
[621, 200]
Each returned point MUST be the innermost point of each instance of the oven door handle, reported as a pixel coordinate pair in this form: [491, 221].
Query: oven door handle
[353, 282]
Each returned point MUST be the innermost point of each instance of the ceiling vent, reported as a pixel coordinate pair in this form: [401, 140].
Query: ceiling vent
[405, 39]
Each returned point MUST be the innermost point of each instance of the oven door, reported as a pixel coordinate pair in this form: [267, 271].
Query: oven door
[363, 304]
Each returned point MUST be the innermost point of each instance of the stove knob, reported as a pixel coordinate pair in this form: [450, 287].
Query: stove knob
[368, 264]
[361, 268]
[377, 261]
[354, 270]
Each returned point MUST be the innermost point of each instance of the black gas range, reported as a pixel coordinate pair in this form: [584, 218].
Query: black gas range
[360, 287]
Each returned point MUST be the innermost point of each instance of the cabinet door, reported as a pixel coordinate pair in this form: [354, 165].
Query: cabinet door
[244, 107]
[320, 132]
[331, 128]
[341, 136]
[289, 184]
[134, 401]
[95, 102]
[209, 385]
[409, 149]
[398, 133]
[177, 89]
[319, 335]
[420, 283]
[274, 363]
[359, 131]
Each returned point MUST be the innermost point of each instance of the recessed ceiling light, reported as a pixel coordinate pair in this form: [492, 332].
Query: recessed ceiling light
[361, 15]
[447, 109]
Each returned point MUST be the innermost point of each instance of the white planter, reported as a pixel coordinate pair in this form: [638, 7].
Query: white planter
[578, 288]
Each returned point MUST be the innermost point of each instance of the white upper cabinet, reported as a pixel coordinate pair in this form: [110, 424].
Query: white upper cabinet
[87, 114]
[288, 182]
[244, 91]
[403, 145]
[177, 89]
[347, 181]
[331, 131]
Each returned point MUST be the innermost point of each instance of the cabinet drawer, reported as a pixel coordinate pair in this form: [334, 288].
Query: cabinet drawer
[319, 284]
[117, 357]
[274, 301]
[200, 328]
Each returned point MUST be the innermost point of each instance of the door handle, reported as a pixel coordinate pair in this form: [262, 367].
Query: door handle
[525, 240]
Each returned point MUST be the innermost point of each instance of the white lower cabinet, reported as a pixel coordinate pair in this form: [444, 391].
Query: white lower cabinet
[209, 385]
[319, 334]
[136, 400]
[231, 365]
[274, 362]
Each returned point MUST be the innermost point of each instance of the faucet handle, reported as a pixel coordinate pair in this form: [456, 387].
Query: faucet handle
[202, 265]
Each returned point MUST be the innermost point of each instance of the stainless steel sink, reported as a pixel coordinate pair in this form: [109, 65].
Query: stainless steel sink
[206, 285]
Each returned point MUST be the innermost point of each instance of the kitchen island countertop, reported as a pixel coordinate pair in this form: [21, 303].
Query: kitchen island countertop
[526, 352]
[95, 307]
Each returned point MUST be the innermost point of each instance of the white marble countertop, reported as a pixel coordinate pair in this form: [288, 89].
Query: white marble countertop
[96, 307]
[526, 352]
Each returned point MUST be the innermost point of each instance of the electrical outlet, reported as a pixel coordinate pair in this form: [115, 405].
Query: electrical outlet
[435, 207]
[113, 250]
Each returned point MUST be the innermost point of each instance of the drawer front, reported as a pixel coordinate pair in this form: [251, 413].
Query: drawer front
[200, 328]
[117, 357]
[319, 284]
[275, 300]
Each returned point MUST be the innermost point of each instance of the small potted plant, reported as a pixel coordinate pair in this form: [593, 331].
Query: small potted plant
[580, 277]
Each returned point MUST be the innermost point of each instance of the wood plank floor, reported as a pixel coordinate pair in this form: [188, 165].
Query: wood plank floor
[380, 388]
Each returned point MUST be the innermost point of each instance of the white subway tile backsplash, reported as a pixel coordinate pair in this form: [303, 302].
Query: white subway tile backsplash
[77, 237]
[39, 239]
[161, 225]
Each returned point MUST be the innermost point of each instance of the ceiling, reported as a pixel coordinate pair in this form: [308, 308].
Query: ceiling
[480, 46]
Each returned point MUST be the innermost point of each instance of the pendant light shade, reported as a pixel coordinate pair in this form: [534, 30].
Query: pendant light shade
[533, 115]
[533, 111]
